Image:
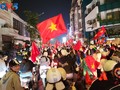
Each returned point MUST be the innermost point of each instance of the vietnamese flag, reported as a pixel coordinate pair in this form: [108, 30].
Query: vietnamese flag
[88, 79]
[103, 76]
[85, 68]
[69, 42]
[34, 52]
[91, 63]
[51, 28]
[101, 41]
[45, 40]
[77, 45]
[100, 33]
[57, 44]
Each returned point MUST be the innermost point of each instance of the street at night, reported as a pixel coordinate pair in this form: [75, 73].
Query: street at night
[60, 45]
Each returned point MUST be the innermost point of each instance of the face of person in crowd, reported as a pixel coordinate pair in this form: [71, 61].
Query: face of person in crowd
[15, 68]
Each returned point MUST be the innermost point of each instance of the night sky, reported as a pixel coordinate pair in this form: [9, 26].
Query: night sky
[49, 7]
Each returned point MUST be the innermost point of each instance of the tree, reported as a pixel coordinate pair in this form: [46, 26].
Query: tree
[32, 20]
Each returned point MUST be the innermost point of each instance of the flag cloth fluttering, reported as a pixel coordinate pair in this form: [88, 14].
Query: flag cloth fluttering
[101, 41]
[103, 76]
[51, 28]
[77, 45]
[100, 33]
[85, 68]
[69, 42]
[34, 52]
[91, 63]
[88, 80]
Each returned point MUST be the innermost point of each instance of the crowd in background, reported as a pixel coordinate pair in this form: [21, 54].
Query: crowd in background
[65, 67]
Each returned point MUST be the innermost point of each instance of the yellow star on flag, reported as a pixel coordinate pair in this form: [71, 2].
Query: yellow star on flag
[52, 27]
[93, 66]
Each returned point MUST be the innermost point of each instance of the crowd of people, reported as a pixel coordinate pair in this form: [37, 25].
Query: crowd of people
[89, 67]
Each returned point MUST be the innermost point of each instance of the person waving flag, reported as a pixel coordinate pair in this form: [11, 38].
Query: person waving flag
[51, 28]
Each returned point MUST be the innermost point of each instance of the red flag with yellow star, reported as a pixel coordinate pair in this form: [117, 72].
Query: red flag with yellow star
[100, 33]
[51, 28]
[91, 63]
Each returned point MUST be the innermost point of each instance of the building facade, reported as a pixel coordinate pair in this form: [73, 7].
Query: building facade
[76, 20]
[109, 16]
[103, 13]
[12, 29]
[91, 22]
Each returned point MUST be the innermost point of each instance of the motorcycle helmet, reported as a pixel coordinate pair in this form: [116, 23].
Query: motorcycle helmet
[116, 71]
[14, 62]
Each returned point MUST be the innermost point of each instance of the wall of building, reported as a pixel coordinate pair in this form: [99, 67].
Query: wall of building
[90, 25]
[7, 30]
[109, 12]
[76, 19]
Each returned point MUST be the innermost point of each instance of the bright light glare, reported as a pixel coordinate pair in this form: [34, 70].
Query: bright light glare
[70, 32]
[74, 42]
[64, 39]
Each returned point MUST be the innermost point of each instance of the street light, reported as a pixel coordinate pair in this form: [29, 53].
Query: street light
[41, 14]
[64, 39]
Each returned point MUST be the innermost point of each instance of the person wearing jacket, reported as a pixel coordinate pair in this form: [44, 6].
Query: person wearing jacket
[11, 80]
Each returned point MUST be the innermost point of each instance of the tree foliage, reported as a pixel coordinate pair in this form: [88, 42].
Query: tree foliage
[32, 20]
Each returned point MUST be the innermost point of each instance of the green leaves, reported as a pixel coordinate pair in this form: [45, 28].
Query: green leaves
[32, 20]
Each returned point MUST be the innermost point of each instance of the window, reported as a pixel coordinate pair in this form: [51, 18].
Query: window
[109, 16]
[116, 15]
[18, 26]
[89, 10]
[109, 1]
[93, 6]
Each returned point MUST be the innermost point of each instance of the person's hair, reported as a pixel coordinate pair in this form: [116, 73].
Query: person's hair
[14, 62]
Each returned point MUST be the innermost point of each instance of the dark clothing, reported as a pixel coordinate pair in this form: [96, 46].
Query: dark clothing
[117, 87]
[70, 63]
[27, 66]
[102, 85]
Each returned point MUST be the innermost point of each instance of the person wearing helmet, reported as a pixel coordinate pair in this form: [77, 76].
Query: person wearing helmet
[11, 80]
[116, 75]
[107, 80]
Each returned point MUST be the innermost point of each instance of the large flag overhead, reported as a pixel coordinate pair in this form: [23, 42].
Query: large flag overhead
[51, 28]
[100, 33]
